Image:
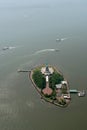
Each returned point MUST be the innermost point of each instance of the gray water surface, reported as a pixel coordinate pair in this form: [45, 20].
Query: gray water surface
[31, 27]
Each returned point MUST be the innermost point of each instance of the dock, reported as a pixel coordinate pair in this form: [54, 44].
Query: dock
[79, 93]
[73, 91]
[19, 70]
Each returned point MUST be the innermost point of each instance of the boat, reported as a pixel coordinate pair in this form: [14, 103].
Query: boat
[8, 48]
[5, 48]
[58, 39]
[81, 93]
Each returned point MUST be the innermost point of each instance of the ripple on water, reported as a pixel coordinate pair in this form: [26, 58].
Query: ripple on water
[30, 104]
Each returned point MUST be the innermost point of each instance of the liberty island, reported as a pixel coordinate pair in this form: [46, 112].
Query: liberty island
[51, 85]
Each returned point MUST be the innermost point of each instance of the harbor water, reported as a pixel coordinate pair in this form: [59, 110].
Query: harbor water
[28, 33]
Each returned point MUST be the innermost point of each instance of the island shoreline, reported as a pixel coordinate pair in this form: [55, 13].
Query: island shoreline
[39, 91]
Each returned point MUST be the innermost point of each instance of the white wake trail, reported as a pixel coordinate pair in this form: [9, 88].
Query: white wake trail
[12, 47]
[62, 39]
[42, 51]
[45, 50]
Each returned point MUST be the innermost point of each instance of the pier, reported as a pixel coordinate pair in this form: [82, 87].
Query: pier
[79, 93]
[73, 91]
[19, 70]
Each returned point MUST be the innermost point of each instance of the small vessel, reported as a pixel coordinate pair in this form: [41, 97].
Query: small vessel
[8, 48]
[59, 40]
[5, 48]
[81, 93]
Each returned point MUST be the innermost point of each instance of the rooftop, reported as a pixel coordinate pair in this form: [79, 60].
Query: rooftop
[47, 91]
[58, 86]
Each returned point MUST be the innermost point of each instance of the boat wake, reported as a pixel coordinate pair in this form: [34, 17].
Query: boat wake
[61, 39]
[12, 47]
[8, 48]
[30, 104]
[4, 50]
[46, 50]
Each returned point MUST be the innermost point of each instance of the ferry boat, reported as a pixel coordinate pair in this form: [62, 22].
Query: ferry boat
[81, 93]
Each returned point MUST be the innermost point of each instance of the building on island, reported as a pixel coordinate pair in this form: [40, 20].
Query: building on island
[58, 86]
[47, 71]
[47, 78]
[47, 91]
[66, 96]
[63, 84]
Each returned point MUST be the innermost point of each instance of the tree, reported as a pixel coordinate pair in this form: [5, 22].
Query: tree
[39, 79]
[56, 78]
